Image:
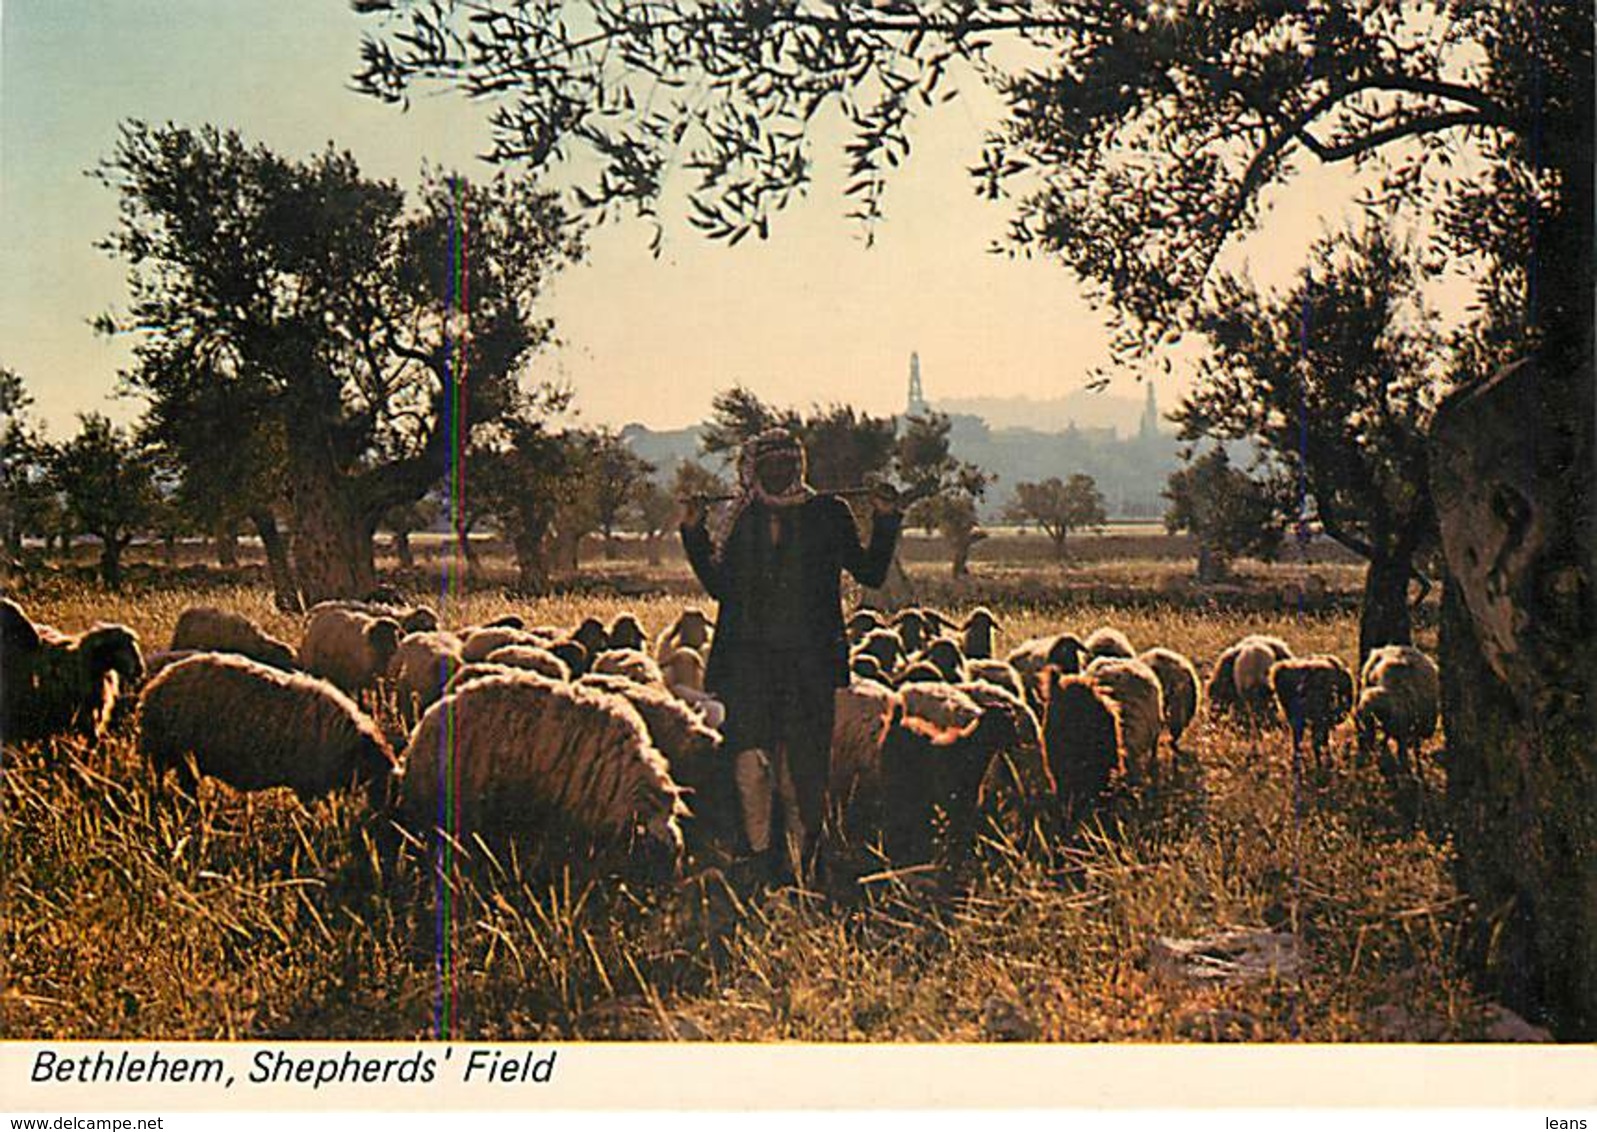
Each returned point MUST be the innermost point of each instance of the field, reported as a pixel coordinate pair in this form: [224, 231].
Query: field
[125, 916]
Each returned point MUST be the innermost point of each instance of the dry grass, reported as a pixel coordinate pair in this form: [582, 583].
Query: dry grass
[126, 915]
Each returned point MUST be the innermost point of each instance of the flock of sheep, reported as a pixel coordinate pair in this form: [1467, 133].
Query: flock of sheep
[594, 730]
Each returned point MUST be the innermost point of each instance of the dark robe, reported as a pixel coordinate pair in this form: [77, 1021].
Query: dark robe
[779, 650]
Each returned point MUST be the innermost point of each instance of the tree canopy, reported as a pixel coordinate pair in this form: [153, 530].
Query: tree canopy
[1337, 379]
[1058, 507]
[1139, 136]
[321, 311]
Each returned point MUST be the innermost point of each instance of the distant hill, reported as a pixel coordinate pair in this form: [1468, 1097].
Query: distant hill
[1087, 410]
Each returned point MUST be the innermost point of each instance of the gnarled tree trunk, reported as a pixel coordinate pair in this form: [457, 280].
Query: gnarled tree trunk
[332, 541]
[1512, 476]
[227, 545]
[285, 592]
[1384, 615]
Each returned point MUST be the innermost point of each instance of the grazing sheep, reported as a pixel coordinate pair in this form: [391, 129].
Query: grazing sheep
[941, 705]
[1025, 766]
[55, 683]
[1315, 694]
[1081, 738]
[477, 643]
[255, 727]
[863, 712]
[349, 648]
[886, 646]
[979, 631]
[1279, 649]
[532, 755]
[691, 629]
[158, 662]
[1108, 641]
[1063, 651]
[418, 619]
[469, 673]
[929, 769]
[627, 633]
[508, 621]
[1178, 682]
[945, 655]
[420, 668]
[860, 622]
[1250, 679]
[1398, 702]
[206, 629]
[530, 658]
[676, 730]
[998, 673]
[1135, 690]
[631, 663]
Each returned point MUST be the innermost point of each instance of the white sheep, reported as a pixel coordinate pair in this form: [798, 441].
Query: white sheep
[1398, 703]
[411, 619]
[420, 668]
[677, 731]
[862, 713]
[532, 658]
[1178, 681]
[631, 663]
[531, 755]
[208, 629]
[1109, 641]
[684, 675]
[1135, 690]
[477, 643]
[255, 727]
[350, 648]
[1315, 693]
[52, 682]
[1250, 679]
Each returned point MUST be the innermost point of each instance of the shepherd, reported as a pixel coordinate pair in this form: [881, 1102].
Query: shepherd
[774, 565]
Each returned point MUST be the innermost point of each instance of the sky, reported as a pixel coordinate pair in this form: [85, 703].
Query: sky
[811, 316]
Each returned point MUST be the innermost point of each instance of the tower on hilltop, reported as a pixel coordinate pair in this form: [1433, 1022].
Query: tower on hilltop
[1149, 428]
[916, 406]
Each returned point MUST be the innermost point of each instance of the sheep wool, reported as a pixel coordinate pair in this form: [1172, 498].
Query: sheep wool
[631, 663]
[527, 752]
[1399, 700]
[532, 658]
[476, 644]
[1081, 737]
[691, 630]
[55, 682]
[1250, 678]
[1178, 683]
[421, 667]
[1135, 690]
[1109, 641]
[998, 673]
[350, 648]
[1315, 693]
[864, 710]
[255, 727]
[208, 629]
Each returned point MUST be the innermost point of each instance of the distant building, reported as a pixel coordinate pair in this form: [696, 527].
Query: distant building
[916, 405]
[1148, 428]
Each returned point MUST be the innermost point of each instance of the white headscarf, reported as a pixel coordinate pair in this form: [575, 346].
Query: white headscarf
[773, 442]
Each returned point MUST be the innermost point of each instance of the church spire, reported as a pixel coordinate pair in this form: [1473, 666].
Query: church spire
[1149, 427]
[916, 406]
